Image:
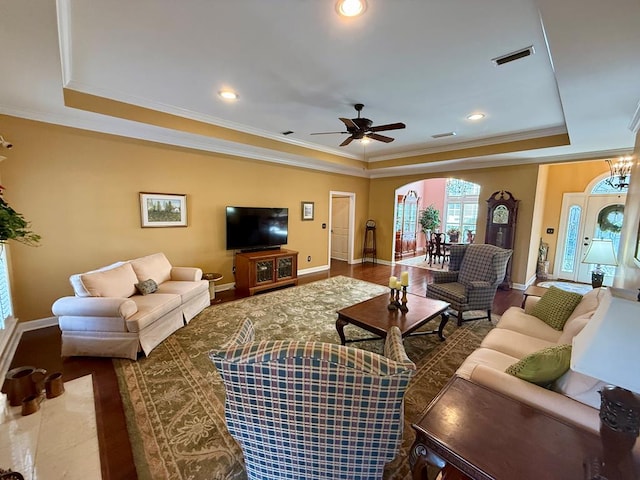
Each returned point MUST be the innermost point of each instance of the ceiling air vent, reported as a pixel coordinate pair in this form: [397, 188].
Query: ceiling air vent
[513, 56]
[443, 135]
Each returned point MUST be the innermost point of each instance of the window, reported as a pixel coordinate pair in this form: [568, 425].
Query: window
[602, 187]
[461, 207]
[6, 308]
[571, 241]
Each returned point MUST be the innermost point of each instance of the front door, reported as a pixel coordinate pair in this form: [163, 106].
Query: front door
[603, 219]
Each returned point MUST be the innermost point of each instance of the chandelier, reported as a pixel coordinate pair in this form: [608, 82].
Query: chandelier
[620, 171]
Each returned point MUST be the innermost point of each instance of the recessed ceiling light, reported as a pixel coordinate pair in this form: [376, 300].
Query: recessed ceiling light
[475, 116]
[351, 8]
[228, 94]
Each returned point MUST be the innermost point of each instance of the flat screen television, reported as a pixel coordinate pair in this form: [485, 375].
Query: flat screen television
[255, 228]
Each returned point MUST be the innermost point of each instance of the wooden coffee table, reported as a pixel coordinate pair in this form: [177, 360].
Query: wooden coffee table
[373, 316]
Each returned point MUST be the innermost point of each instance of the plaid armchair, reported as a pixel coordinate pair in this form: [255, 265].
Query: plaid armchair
[311, 410]
[475, 271]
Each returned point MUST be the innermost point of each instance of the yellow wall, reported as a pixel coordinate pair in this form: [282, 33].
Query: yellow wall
[561, 179]
[519, 180]
[80, 191]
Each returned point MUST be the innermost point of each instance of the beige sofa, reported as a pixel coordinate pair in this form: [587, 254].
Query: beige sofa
[573, 397]
[108, 317]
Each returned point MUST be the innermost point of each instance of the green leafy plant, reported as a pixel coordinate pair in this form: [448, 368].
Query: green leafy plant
[453, 231]
[429, 218]
[13, 226]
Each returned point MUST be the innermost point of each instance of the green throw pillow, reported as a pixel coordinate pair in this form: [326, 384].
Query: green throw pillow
[556, 306]
[147, 287]
[544, 366]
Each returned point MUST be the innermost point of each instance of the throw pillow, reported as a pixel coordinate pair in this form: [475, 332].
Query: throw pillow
[544, 366]
[146, 287]
[556, 306]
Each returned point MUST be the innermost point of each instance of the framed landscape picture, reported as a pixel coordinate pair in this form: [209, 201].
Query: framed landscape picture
[163, 210]
[307, 210]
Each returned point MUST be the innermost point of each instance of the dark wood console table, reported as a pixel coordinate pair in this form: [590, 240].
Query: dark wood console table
[486, 435]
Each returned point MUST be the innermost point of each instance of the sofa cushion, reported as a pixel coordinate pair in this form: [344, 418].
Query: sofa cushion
[514, 343]
[146, 287]
[573, 327]
[150, 309]
[588, 304]
[115, 282]
[156, 267]
[581, 388]
[544, 366]
[485, 356]
[555, 307]
[186, 290]
[79, 290]
[515, 319]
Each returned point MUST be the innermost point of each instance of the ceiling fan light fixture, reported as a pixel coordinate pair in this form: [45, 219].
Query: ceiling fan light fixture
[351, 8]
[365, 140]
[475, 116]
[228, 95]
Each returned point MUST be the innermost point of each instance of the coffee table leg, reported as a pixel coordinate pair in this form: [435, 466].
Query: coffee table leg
[443, 322]
[340, 323]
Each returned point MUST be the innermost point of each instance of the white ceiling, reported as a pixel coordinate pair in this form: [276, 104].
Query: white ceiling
[298, 66]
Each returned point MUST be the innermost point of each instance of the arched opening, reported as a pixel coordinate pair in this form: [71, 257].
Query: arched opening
[456, 202]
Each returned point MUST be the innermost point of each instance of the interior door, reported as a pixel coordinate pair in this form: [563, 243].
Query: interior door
[610, 210]
[340, 228]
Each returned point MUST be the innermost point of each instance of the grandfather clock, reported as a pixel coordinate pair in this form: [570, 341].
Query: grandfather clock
[501, 226]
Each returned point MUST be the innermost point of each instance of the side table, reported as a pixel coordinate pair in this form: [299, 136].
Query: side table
[212, 278]
[486, 435]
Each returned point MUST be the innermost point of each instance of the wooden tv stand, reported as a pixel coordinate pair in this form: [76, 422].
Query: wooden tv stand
[265, 269]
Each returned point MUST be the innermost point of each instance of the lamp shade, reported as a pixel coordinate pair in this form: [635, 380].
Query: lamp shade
[600, 252]
[607, 347]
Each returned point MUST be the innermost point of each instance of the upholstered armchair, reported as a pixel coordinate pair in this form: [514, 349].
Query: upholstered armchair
[475, 271]
[311, 410]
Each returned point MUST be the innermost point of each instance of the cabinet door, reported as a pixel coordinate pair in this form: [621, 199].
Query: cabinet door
[264, 271]
[285, 268]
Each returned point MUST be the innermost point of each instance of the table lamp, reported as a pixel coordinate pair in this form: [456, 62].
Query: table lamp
[607, 349]
[600, 252]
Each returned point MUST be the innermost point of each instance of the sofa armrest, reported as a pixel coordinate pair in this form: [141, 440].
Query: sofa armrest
[186, 274]
[478, 284]
[445, 277]
[530, 303]
[553, 403]
[94, 307]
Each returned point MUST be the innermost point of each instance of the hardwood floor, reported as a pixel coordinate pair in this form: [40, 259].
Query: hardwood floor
[41, 348]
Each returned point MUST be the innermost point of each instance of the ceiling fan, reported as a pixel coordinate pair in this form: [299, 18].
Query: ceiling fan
[359, 128]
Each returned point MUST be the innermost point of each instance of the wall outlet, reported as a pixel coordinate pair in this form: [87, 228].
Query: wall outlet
[309, 258]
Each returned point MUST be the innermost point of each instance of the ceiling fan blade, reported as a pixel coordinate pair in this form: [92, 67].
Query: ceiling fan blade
[380, 138]
[346, 142]
[389, 126]
[349, 123]
[325, 133]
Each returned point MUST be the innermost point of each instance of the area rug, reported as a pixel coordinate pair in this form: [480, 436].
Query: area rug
[580, 288]
[420, 262]
[174, 398]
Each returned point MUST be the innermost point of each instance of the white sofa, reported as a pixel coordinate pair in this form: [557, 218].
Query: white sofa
[573, 397]
[108, 317]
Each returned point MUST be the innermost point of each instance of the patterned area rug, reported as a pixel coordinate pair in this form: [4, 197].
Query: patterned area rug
[580, 288]
[174, 399]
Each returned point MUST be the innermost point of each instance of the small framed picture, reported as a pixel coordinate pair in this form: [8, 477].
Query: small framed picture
[163, 210]
[307, 210]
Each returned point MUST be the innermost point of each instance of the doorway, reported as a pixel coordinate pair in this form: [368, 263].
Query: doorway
[341, 226]
[598, 213]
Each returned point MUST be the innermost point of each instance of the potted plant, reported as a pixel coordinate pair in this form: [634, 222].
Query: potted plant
[454, 234]
[429, 220]
[13, 226]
